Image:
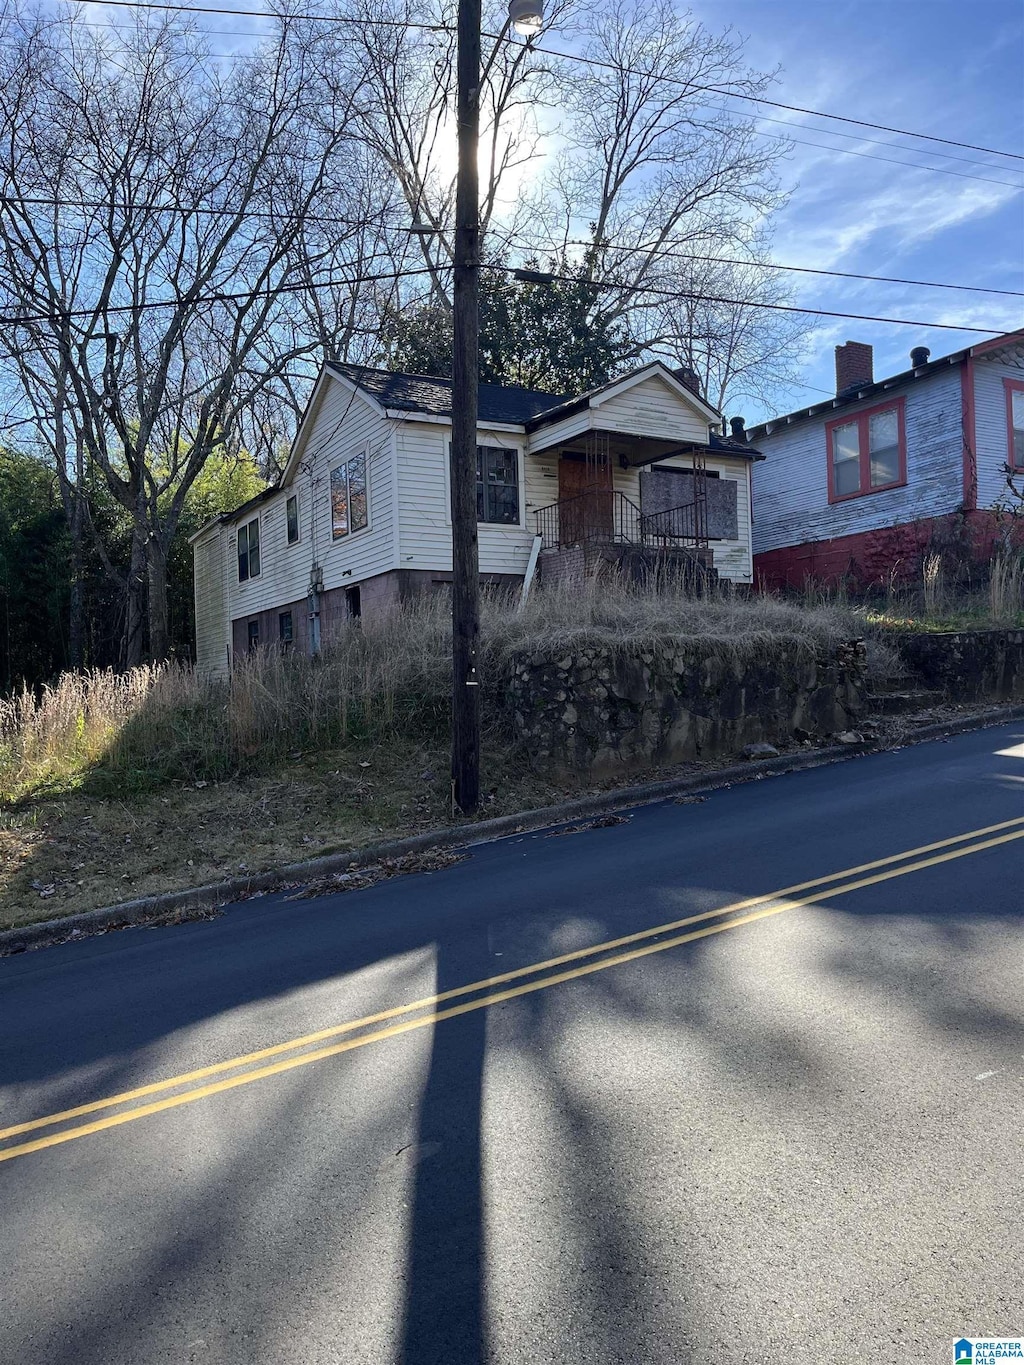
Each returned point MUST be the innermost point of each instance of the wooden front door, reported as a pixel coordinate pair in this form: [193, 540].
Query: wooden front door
[585, 501]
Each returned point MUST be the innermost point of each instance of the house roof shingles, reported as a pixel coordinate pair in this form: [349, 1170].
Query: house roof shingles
[432, 396]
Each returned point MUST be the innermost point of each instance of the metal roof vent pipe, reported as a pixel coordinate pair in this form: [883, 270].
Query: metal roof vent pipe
[738, 425]
[919, 356]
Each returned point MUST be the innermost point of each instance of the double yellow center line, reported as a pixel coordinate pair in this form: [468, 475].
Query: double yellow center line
[187, 1088]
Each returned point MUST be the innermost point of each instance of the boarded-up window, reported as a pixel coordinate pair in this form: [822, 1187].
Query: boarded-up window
[661, 490]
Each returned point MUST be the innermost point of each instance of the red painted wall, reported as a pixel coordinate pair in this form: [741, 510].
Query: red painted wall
[874, 557]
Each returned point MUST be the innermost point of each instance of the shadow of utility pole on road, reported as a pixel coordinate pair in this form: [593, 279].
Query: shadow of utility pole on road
[444, 1322]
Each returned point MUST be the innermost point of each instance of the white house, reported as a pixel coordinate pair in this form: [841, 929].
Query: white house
[360, 518]
[858, 486]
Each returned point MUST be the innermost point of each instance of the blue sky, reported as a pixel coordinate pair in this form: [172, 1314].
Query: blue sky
[946, 67]
[952, 69]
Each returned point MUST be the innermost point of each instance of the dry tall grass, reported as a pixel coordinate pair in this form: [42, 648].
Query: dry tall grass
[385, 677]
[1006, 587]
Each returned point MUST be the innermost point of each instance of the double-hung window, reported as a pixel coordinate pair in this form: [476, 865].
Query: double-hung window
[249, 550]
[1015, 423]
[349, 510]
[867, 452]
[497, 485]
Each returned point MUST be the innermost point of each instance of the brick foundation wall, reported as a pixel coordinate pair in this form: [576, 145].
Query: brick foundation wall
[376, 595]
[872, 557]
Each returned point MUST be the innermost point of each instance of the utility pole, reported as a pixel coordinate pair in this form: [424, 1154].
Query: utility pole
[465, 384]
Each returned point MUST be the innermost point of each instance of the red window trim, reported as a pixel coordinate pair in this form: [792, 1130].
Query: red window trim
[1012, 386]
[862, 418]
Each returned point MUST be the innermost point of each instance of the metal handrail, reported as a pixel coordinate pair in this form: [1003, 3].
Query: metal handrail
[605, 516]
[673, 525]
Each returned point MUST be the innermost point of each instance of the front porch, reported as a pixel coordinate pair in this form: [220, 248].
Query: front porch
[602, 516]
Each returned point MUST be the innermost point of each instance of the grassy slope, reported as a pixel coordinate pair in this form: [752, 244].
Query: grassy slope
[111, 788]
[100, 850]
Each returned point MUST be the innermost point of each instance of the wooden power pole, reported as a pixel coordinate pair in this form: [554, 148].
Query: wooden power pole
[465, 384]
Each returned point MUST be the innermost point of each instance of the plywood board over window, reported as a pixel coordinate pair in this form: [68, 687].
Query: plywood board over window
[663, 490]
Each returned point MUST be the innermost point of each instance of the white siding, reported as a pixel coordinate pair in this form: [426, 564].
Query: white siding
[790, 493]
[649, 408]
[652, 408]
[342, 426]
[213, 631]
[990, 425]
[425, 529]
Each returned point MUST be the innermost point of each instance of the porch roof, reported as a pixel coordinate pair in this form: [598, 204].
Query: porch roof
[645, 450]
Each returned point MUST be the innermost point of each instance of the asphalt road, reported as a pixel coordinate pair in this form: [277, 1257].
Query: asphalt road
[789, 1131]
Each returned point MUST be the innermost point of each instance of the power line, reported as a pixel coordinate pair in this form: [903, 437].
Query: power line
[270, 14]
[678, 295]
[41, 201]
[548, 276]
[567, 56]
[379, 220]
[798, 269]
[334, 220]
[757, 99]
[222, 296]
[910, 165]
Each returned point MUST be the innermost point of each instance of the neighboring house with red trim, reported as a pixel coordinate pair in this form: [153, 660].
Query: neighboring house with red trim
[360, 518]
[859, 486]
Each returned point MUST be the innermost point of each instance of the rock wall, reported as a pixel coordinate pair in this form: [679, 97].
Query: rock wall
[604, 713]
[968, 666]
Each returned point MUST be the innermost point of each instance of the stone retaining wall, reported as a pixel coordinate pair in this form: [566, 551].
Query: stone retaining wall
[968, 666]
[603, 713]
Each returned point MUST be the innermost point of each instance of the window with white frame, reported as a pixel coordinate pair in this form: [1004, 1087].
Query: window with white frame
[249, 550]
[349, 509]
[291, 513]
[497, 485]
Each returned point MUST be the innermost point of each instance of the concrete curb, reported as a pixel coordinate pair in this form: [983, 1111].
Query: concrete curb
[166, 906]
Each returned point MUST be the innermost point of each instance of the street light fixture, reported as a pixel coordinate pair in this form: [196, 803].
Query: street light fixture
[526, 17]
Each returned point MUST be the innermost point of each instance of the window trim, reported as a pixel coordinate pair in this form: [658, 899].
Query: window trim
[364, 452]
[862, 418]
[520, 454]
[1012, 386]
[293, 497]
[249, 576]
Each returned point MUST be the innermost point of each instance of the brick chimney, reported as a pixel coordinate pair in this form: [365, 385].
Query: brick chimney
[688, 377]
[854, 366]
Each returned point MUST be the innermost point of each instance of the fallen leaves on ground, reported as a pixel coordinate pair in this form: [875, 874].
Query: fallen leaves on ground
[359, 878]
[602, 822]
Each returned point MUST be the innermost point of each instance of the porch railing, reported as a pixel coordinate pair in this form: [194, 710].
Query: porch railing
[607, 517]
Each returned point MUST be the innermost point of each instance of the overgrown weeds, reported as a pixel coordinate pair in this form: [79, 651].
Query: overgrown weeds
[386, 677]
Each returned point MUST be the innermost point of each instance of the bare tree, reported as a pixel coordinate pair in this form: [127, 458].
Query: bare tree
[406, 48]
[151, 240]
[724, 325]
[659, 172]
